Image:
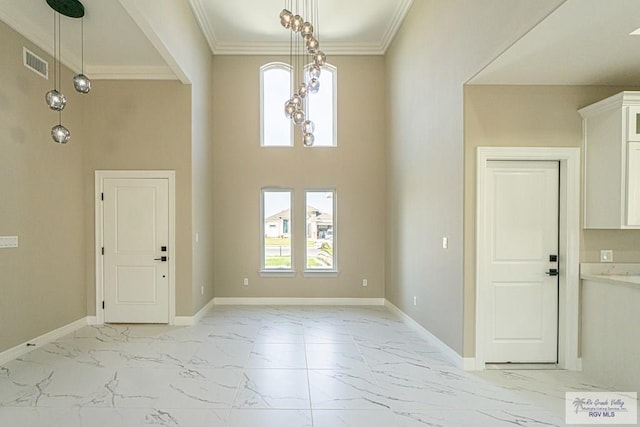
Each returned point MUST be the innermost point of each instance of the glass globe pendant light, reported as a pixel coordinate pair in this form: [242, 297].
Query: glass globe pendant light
[55, 100]
[304, 83]
[81, 82]
[308, 139]
[314, 85]
[285, 18]
[60, 134]
[299, 117]
[308, 126]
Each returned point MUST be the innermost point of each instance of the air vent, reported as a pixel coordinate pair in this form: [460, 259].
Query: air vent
[35, 63]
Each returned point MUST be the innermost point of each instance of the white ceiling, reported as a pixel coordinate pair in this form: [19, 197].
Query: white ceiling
[583, 42]
[253, 26]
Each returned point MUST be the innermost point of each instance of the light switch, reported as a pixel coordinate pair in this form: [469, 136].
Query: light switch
[8, 242]
[445, 242]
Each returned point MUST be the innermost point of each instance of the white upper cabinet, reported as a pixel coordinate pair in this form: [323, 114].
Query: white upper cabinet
[612, 162]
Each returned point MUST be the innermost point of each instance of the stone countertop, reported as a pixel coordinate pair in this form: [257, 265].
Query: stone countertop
[613, 273]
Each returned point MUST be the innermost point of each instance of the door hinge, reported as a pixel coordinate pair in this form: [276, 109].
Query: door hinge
[103, 250]
[101, 196]
[103, 305]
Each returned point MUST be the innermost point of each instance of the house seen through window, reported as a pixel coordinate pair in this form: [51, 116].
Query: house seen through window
[277, 236]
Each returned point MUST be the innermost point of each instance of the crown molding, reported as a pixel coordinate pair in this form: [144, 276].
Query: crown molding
[394, 26]
[203, 22]
[282, 48]
[131, 73]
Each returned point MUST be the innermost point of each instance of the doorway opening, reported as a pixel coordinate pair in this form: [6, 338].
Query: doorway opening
[135, 246]
[567, 262]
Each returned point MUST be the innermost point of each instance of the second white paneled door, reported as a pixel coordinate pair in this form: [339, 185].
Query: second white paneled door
[136, 239]
[520, 255]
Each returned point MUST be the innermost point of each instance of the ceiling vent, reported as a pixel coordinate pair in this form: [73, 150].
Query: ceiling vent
[35, 63]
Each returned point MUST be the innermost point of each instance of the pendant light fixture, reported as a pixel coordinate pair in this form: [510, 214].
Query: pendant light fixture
[81, 82]
[55, 98]
[306, 48]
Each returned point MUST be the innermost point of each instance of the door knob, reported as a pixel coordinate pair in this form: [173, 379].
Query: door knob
[162, 258]
[552, 272]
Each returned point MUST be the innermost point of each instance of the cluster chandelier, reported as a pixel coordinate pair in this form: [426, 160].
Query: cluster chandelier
[54, 98]
[306, 50]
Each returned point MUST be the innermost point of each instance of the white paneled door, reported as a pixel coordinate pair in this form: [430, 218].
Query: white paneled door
[136, 238]
[520, 254]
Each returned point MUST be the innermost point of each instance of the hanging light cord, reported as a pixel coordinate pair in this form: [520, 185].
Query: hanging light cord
[82, 43]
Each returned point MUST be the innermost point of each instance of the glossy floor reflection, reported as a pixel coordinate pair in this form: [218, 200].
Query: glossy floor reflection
[270, 366]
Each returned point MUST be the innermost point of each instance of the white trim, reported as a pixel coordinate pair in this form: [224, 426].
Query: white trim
[286, 272]
[327, 67]
[319, 272]
[569, 279]
[282, 48]
[203, 22]
[299, 301]
[42, 340]
[447, 351]
[469, 363]
[100, 175]
[138, 16]
[192, 320]
[395, 24]
[268, 67]
[130, 73]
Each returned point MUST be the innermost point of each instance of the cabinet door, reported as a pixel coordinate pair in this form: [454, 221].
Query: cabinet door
[633, 184]
[633, 120]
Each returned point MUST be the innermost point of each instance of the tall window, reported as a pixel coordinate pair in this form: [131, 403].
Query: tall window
[322, 108]
[276, 230]
[320, 230]
[275, 89]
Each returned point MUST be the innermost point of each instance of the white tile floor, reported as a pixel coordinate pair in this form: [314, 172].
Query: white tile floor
[270, 366]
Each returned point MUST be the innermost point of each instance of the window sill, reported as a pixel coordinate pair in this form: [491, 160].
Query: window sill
[277, 273]
[321, 273]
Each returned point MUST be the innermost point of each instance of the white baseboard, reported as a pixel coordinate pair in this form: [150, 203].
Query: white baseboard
[192, 320]
[42, 340]
[457, 360]
[469, 364]
[92, 320]
[299, 301]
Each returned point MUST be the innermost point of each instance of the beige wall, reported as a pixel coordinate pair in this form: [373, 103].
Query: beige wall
[180, 41]
[142, 125]
[440, 46]
[355, 168]
[42, 283]
[528, 116]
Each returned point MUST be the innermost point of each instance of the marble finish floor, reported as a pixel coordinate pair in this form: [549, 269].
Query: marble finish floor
[244, 366]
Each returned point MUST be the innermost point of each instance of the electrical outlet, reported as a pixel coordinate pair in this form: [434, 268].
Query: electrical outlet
[415, 300]
[245, 281]
[445, 242]
[606, 255]
[202, 290]
[365, 282]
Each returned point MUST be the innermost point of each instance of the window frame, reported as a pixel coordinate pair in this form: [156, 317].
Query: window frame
[334, 95]
[310, 271]
[282, 272]
[263, 69]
